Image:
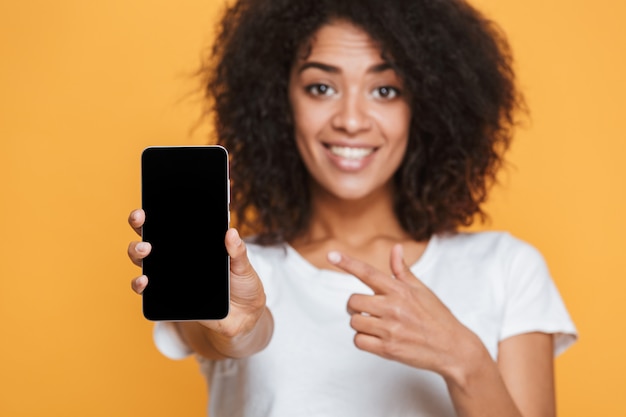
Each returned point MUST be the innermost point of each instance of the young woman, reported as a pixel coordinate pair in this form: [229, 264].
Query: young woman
[363, 134]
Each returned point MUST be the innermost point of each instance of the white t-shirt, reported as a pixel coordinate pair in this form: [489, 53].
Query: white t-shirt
[494, 284]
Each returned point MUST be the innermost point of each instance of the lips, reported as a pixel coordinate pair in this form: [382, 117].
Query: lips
[350, 158]
[349, 152]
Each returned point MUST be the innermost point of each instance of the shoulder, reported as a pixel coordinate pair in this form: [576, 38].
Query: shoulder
[269, 262]
[265, 257]
[492, 245]
[498, 257]
[514, 270]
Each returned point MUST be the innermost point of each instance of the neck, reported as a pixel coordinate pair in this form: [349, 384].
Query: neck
[353, 222]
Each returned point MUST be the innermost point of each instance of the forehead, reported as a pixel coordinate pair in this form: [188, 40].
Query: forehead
[341, 38]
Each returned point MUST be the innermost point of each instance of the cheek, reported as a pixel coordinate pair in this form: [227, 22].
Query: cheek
[304, 133]
[309, 121]
[397, 129]
[299, 122]
[402, 118]
[396, 123]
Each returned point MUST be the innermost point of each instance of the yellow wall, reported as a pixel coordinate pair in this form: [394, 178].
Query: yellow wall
[84, 86]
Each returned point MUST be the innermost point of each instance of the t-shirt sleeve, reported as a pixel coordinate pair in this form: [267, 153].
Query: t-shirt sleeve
[533, 303]
[168, 342]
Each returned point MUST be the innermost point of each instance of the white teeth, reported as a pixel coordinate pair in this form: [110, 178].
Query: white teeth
[350, 153]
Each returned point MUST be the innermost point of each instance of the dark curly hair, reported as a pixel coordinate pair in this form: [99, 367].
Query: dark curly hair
[455, 64]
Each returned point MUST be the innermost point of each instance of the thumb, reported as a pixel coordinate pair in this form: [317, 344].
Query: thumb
[239, 263]
[399, 268]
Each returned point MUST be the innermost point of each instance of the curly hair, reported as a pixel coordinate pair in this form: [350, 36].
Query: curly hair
[455, 63]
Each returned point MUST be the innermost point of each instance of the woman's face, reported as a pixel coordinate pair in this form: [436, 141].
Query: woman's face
[351, 113]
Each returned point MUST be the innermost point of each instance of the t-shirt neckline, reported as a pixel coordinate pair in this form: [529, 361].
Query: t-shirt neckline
[418, 267]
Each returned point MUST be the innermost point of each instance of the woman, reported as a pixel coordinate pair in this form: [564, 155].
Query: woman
[363, 134]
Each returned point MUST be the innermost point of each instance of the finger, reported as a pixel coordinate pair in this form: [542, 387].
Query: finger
[236, 247]
[369, 304]
[399, 268]
[138, 250]
[370, 325]
[368, 343]
[139, 284]
[372, 277]
[136, 218]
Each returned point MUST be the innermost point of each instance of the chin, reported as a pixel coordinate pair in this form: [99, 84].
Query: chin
[355, 192]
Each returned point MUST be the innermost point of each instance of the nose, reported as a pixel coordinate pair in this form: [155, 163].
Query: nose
[351, 114]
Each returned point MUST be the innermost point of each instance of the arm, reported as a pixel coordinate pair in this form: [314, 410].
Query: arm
[249, 325]
[520, 384]
[213, 344]
[404, 321]
[526, 363]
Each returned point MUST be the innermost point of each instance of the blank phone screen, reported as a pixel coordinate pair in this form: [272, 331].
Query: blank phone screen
[185, 193]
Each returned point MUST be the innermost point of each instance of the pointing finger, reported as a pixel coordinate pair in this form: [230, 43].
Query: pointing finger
[370, 276]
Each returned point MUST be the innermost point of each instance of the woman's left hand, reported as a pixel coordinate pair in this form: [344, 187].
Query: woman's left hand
[404, 320]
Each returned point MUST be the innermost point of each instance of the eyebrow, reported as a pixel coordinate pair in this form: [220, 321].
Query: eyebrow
[335, 70]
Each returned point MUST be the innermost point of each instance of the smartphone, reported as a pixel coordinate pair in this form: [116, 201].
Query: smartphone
[185, 194]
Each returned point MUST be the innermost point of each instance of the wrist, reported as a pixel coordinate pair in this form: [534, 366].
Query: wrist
[244, 318]
[250, 338]
[469, 362]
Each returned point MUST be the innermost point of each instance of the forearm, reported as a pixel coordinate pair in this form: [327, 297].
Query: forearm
[216, 344]
[477, 388]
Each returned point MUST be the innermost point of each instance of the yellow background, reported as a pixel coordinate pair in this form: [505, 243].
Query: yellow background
[84, 86]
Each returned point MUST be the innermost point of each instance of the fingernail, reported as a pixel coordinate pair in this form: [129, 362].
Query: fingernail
[141, 247]
[134, 216]
[334, 257]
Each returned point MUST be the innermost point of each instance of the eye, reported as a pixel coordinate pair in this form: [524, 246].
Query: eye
[386, 93]
[320, 90]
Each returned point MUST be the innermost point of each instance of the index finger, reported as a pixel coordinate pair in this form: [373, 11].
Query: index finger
[136, 218]
[370, 276]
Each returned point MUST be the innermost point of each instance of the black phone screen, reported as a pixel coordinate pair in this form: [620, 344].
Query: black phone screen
[185, 196]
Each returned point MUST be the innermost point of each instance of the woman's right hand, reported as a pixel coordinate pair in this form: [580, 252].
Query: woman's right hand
[247, 297]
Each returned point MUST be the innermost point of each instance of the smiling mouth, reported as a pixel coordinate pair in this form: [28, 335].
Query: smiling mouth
[352, 153]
